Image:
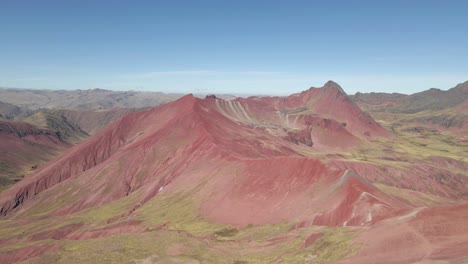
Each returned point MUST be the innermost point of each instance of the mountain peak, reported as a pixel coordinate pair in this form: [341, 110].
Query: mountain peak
[187, 100]
[331, 85]
[462, 86]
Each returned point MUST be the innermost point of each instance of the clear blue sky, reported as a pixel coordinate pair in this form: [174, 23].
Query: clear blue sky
[275, 47]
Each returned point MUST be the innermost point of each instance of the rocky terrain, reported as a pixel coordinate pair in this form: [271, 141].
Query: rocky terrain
[315, 177]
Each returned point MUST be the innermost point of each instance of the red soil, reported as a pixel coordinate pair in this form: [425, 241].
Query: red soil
[311, 239]
[356, 202]
[421, 236]
[294, 188]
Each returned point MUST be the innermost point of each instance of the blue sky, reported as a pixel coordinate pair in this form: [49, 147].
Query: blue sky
[267, 47]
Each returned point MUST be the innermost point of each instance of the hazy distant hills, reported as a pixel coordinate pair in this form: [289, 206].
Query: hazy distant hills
[430, 109]
[83, 99]
[432, 99]
[435, 99]
[10, 111]
[14, 102]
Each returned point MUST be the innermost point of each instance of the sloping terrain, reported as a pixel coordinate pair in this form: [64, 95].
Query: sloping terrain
[27, 139]
[91, 121]
[308, 178]
[9, 111]
[68, 126]
[65, 130]
[23, 147]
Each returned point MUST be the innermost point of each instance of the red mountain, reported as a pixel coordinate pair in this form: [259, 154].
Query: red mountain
[253, 161]
[191, 131]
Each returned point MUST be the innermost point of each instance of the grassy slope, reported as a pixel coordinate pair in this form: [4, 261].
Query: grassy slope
[14, 165]
[186, 237]
[58, 124]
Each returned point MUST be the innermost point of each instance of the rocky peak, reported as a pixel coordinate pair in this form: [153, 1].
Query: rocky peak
[462, 86]
[333, 87]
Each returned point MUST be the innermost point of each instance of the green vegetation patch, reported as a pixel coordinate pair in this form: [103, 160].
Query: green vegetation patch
[227, 232]
[177, 212]
[335, 244]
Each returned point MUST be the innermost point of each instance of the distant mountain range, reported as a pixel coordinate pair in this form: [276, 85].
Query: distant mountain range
[82, 99]
[433, 107]
[432, 99]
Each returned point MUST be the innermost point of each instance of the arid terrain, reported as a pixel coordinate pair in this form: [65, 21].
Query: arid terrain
[318, 176]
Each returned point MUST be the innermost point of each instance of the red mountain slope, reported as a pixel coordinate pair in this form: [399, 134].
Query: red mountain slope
[165, 147]
[329, 102]
[245, 162]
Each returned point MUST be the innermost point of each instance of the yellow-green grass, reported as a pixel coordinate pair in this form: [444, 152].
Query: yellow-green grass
[187, 236]
[335, 244]
[53, 122]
